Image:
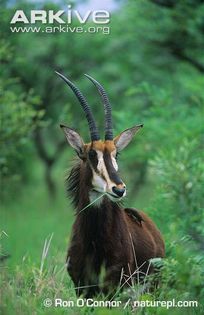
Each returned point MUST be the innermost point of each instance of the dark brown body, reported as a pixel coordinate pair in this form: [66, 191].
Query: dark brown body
[105, 234]
[108, 236]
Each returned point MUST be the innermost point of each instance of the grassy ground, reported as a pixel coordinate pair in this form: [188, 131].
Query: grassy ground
[36, 235]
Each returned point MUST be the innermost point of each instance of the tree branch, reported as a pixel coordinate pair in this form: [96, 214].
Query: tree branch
[41, 148]
[165, 3]
[47, 159]
[182, 56]
[60, 147]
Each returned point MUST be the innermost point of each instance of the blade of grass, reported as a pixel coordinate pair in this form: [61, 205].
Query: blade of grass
[90, 204]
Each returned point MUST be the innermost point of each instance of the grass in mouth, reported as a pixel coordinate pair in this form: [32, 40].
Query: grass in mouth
[90, 204]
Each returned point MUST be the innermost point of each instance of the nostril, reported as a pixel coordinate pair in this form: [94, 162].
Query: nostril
[118, 191]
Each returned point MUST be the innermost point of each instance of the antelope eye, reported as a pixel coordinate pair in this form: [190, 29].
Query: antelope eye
[93, 158]
[92, 154]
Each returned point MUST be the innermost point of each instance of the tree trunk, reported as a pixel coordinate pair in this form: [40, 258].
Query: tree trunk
[48, 160]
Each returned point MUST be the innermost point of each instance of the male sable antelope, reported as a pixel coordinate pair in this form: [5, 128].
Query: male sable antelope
[105, 234]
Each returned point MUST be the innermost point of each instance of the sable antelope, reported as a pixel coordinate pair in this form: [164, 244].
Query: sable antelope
[104, 233]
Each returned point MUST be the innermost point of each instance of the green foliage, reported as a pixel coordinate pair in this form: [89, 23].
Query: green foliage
[18, 120]
[152, 68]
[182, 273]
[181, 176]
[179, 209]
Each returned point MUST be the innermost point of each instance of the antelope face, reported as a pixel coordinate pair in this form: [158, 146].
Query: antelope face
[100, 156]
[105, 177]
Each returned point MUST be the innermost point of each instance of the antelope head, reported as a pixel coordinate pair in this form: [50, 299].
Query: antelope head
[100, 155]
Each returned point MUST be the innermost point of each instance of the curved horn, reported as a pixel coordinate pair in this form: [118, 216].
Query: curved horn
[107, 108]
[89, 116]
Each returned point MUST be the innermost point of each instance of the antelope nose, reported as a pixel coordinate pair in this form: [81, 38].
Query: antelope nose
[118, 191]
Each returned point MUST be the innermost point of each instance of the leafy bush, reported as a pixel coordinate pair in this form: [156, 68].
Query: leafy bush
[180, 173]
[18, 120]
[179, 200]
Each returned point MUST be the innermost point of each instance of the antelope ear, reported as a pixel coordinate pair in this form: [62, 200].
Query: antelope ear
[124, 138]
[74, 139]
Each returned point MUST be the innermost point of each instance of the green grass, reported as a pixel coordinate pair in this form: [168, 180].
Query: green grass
[32, 218]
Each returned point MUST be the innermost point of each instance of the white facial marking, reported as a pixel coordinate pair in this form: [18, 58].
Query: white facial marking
[101, 181]
[115, 165]
[103, 171]
[94, 197]
[98, 182]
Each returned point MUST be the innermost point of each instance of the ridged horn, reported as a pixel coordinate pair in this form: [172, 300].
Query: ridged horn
[84, 104]
[107, 108]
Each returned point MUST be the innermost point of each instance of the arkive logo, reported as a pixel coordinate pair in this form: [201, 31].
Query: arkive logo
[61, 16]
